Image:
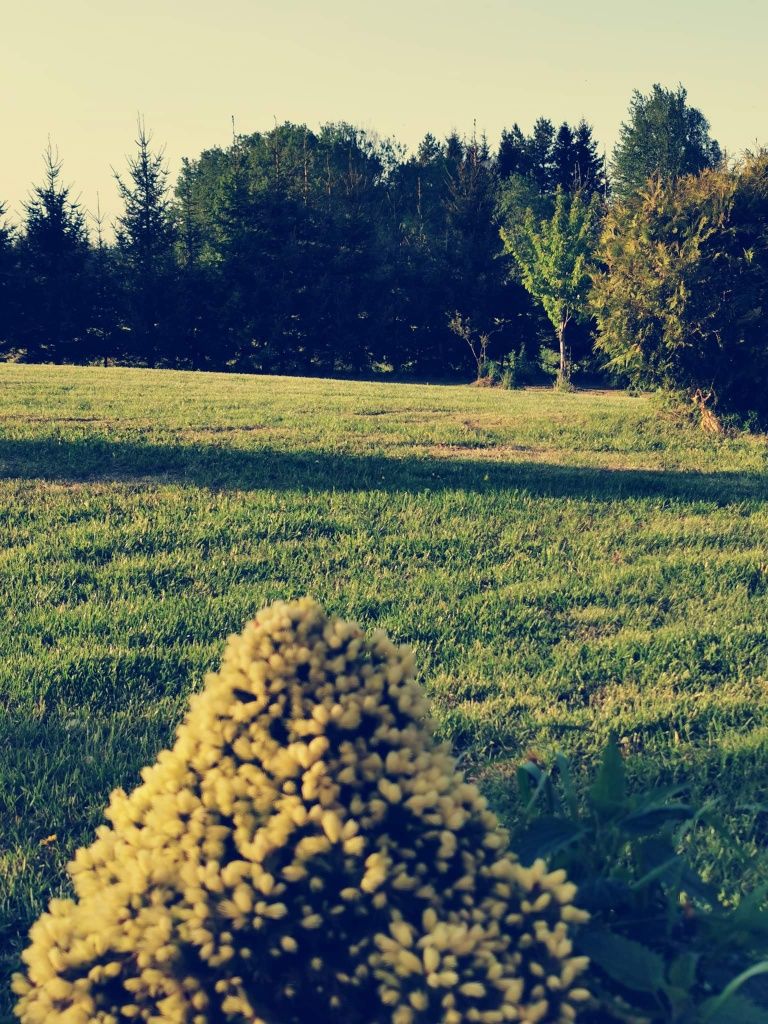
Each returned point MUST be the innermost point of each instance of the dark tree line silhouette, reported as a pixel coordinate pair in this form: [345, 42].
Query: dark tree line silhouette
[333, 251]
[289, 251]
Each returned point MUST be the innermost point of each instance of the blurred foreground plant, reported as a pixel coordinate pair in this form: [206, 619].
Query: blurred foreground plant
[664, 946]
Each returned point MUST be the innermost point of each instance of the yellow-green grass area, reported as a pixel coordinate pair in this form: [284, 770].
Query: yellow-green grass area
[564, 565]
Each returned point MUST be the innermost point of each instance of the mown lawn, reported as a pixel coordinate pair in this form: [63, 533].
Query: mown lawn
[565, 565]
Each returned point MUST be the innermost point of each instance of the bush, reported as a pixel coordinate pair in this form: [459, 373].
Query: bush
[549, 363]
[305, 851]
[561, 379]
[681, 304]
[519, 369]
[665, 946]
[492, 372]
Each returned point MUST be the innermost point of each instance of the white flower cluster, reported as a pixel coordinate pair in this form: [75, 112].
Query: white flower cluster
[305, 851]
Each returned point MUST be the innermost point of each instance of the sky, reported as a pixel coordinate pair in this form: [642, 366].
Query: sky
[80, 71]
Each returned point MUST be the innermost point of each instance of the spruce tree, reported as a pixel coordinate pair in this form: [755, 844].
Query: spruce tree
[145, 238]
[577, 167]
[7, 291]
[195, 326]
[539, 148]
[475, 274]
[103, 293]
[53, 257]
[590, 174]
[511, 157]
[564, 171]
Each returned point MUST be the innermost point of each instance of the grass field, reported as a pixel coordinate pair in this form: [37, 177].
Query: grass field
[564, 565]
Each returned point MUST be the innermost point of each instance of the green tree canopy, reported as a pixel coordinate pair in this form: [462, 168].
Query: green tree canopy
[546, 158]
[289, 228]
[681, 303]
[554, 256]
[662, 136]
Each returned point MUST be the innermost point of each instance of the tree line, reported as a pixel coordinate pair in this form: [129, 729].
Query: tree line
[287, 251]
[335, 251]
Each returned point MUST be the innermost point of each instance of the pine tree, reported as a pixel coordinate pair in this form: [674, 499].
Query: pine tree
[454, 148]
[103, 293]
[577, 167]
[237, 250]
[53, 256]
[564, 169]
[7, 290]
[145, 239]
[475, 275]
[429, 150]
[195, 320]
[590, 173]
[350, 290]
[417, 260]
[539, 149]
[511, 157]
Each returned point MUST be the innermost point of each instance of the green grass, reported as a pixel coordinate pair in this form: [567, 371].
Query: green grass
[564, 565]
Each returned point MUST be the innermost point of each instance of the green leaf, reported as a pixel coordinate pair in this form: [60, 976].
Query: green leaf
[524, 784]
[608, 792]
[546, 836]
[682, 971]
[658, 796]
[528, 774]
[730, 994]
[651, 819]
[566, 780]
[659, 871]
[629, 963]
[737, 1010]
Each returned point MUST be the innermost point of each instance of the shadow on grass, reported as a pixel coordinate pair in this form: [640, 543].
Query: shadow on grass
[85, 460]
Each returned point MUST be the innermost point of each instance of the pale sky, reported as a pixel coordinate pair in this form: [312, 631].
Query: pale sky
[79, 71]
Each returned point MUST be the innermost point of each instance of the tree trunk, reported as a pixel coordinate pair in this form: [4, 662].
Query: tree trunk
[561, 339]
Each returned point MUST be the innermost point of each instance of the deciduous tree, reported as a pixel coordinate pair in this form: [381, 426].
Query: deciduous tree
[663, 136]
[555, 258]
